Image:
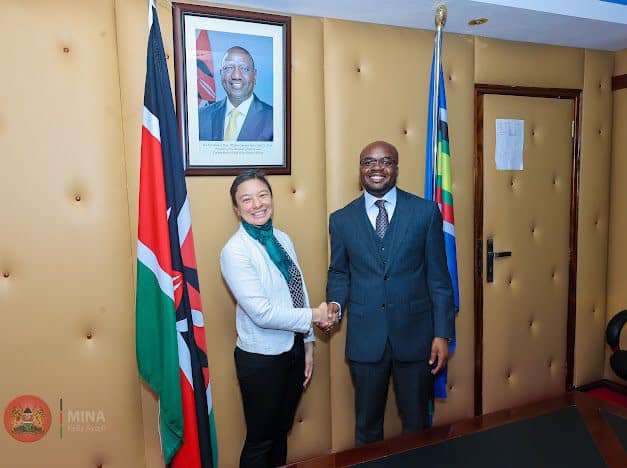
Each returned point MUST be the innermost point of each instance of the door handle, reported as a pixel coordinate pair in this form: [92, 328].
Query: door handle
[491, 256]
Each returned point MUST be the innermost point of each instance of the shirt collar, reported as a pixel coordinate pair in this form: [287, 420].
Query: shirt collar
[389, 197]
[242, 108]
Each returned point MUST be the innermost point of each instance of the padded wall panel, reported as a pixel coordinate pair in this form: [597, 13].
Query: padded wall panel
[132, 29]
[620, 62]
[593, 216]
[617, 252]
[300, 210]
[525, 64]
[376, 87]
[66, 308]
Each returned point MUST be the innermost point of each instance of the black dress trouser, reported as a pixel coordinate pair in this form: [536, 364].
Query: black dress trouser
[413, 384]
[271, 388]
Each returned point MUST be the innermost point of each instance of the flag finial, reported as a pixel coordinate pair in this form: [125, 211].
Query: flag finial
[440, 16]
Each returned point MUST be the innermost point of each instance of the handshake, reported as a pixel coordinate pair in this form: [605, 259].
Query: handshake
[326, 316]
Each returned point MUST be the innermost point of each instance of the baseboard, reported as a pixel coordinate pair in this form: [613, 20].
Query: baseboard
[604, 383]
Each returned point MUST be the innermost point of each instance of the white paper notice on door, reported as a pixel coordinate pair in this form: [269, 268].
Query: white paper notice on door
[510, 137]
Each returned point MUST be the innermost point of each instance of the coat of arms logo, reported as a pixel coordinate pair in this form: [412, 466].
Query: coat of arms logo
[27, 418]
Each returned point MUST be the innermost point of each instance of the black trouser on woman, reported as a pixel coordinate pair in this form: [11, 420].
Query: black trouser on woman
[271, 388]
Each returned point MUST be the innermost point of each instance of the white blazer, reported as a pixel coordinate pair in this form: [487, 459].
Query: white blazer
[265, 317]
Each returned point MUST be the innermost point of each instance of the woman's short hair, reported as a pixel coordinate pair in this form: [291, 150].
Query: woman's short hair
[243, 177]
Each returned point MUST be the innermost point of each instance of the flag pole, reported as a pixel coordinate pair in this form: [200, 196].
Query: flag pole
[440, 20]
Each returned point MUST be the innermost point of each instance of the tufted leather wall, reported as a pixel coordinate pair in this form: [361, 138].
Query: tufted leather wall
[527, 212]
[516, 64]
[525, 64]
[66, 301]
[67, 250]
[593, 216]
[617, 253]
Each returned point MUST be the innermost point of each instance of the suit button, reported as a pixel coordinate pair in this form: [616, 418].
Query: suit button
[386, 277]
[383, 306]
[382, 249]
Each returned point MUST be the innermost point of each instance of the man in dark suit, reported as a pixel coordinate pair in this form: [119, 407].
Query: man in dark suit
[388, 272]
[241, 116]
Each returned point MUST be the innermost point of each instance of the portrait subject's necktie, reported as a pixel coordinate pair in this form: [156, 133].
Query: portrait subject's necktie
[231, 128]
[382, 219]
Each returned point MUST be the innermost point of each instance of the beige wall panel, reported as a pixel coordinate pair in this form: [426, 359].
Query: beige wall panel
[66, 315]
[300, 210]
[376, 87]
[525, 64]
[620, 62]
[617, 253]
[593, 216]
[132, 35]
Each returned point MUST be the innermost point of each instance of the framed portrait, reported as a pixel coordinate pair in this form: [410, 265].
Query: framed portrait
[232, 73]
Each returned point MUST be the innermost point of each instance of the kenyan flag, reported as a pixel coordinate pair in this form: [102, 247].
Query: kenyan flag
[171, 349]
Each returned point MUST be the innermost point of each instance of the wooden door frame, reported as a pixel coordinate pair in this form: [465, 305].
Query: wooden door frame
[555, 93]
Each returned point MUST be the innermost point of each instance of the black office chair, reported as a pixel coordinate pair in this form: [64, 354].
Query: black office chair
[618, 360]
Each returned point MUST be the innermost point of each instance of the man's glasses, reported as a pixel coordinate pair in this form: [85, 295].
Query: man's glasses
[231, 68]
[383, 162]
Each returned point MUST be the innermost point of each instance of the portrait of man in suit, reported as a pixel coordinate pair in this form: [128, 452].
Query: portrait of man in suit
[241, 115]
[388, 275]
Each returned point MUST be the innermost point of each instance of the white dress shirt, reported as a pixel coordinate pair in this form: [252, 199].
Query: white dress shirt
[265, 317]
[372, 210]
[243, 111]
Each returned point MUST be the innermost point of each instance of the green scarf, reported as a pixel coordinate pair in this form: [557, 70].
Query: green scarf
[265, 235]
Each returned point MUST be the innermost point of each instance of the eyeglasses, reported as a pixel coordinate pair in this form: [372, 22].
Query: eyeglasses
[228, 69]
[383, 162]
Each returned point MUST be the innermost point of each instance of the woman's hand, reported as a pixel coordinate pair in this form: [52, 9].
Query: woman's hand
[320, 314]
[309, 362]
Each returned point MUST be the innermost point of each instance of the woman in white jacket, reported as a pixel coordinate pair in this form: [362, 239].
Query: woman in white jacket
[274, 349]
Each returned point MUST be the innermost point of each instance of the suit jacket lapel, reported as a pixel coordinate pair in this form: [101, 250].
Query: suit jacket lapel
[251, 122]
[401, 219]
[364, 228]
[217, 124]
